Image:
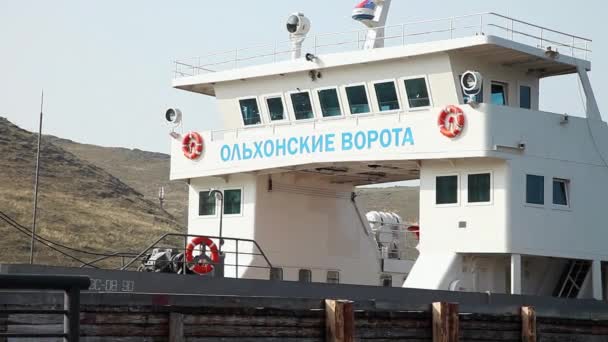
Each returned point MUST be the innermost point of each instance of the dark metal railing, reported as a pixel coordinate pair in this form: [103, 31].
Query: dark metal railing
[232, 247]
[71, 287]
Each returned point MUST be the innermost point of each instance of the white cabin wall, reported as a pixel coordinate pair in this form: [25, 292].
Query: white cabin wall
[234, 226]
[486, 223]
[299, 229]
[441, 84]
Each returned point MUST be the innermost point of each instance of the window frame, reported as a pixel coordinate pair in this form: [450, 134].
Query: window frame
[507, 87]
[567, 183]
[397, 90]
[535, 205]
[458, 190]
[335, 272]
[292, 110]
[282, 274]
[216, 211]
[402, 81]
[320, 108]
[370, 104]
[257, 100]
[309, 275]
[519, 86]
[466, 186]
[385, 276]
[286, 117]
[224, 200]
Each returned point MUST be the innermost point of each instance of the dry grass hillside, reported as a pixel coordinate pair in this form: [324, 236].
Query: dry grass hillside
[80, 204]
[146, 172]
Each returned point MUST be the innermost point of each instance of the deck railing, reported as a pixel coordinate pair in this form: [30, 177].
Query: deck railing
[395, 35]
[71, 287]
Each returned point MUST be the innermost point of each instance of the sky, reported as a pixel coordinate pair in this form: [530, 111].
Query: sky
[106, 66]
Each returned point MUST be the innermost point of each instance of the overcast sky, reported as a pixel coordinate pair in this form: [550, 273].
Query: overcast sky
[106, 66]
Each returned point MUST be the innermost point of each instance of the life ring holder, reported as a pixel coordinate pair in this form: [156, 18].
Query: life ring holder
[451, 121]
[192, 145]
[196, 264]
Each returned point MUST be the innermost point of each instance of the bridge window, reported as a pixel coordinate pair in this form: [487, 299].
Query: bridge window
[333, 277]
[357, 99]
[276, 273]
[250, 112]
[499, 93]
[479, 186]
[305, 276]
[330, 102]
[525, 97]
[446, 190]
[535, 189]
[232, 201]
[206, 204]
[386, 94]
[561, 193]
[276, 109]
[302, 105]
[417, 92]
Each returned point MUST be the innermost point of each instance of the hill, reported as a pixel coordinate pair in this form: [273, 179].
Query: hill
[80, 204]
[146, 172]
[403, 200]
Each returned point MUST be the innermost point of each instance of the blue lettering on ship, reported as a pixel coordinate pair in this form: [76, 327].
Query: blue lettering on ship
[323, 143]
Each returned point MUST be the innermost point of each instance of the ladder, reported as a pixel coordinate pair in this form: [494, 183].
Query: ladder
[575, 274]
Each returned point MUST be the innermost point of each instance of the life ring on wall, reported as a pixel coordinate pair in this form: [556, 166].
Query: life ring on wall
[199, 265]
[451, 121]
[415, 230]
[192, 145]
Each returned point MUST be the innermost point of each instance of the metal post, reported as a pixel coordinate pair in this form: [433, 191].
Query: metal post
[237, 259]
[542, 31]
[37, 177]
[402, 34]
[219, 195]
[452, 28]
[236, 57]
[71, 321]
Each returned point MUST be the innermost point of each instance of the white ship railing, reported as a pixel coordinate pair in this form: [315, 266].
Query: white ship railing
[395, 35]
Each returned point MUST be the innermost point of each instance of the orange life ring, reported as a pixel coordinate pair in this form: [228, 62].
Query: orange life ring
[451, 121]
[201, 267]
[192, 145]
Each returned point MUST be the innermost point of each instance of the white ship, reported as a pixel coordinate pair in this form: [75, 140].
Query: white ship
[511, 198]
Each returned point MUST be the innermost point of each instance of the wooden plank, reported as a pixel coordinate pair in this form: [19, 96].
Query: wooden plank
[176, 327]
[275, 321]
[528, 324]
[339, 321]
[3, 324]
[445, 322]
[245, 331]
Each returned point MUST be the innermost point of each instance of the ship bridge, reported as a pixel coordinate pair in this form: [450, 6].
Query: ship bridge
[452, 102]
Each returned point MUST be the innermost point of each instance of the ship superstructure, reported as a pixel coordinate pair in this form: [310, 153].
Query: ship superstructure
[511, 198]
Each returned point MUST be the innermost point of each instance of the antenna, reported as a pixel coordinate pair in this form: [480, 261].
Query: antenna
[37, 177]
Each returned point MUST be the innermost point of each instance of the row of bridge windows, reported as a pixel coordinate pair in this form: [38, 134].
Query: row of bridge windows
[336, 101]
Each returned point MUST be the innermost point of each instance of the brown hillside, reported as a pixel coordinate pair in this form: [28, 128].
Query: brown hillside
[80, 204]
[144, 171]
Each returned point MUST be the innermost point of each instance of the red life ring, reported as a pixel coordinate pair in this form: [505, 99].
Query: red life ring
[201, 267]
[192, 145]
[451, 121]
[415, 230]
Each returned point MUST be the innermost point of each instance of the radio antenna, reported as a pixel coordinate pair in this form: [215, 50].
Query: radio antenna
[36, 179]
